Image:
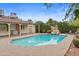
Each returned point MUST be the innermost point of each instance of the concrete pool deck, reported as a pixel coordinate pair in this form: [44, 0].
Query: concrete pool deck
[6, 49]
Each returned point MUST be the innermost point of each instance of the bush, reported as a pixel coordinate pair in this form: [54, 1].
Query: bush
[64, 27]
[43, 27]
[76, 43]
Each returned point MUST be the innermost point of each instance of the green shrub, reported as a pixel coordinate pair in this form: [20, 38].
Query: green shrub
[65, 27]
[76, 43]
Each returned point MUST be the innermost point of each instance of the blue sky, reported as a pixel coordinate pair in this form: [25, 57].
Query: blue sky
[36, 11]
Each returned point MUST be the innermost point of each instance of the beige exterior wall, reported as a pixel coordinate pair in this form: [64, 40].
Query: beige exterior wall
[24, 31]
[29, 29]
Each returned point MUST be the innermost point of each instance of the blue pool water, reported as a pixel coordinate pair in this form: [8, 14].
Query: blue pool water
[38, 40]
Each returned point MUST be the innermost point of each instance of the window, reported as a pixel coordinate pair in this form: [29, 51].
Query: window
[3, 27]
[22, 27]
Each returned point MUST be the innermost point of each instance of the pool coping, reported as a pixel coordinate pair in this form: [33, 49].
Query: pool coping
[49, 50]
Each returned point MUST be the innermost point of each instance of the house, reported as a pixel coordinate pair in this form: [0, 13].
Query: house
[13, 25]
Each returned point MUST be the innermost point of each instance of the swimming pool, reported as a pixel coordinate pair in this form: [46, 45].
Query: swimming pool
[38, 40]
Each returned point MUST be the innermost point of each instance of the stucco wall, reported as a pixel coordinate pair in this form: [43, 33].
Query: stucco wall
[29, 29]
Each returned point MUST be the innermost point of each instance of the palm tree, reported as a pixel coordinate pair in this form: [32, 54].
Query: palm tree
[76, 14]
[73, 11]
[47, 5]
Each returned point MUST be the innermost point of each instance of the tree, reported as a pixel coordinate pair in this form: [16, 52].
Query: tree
[66, 26]
[74, 23]
[63, 27]
[38, 25]
[47, 5]
[72, 11]
[73, 8]
[42, 27]
[76, 14]
[45, 27]
[51, 22]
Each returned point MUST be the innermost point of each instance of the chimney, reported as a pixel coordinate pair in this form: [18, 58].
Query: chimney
[30, 21]
[13, 15]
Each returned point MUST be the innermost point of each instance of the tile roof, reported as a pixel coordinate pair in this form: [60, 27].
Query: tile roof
[7, 19]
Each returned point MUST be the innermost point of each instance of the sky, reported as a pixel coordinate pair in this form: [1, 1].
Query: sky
[36, 11]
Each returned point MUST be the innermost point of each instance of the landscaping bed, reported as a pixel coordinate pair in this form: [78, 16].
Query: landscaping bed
[73, 50]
